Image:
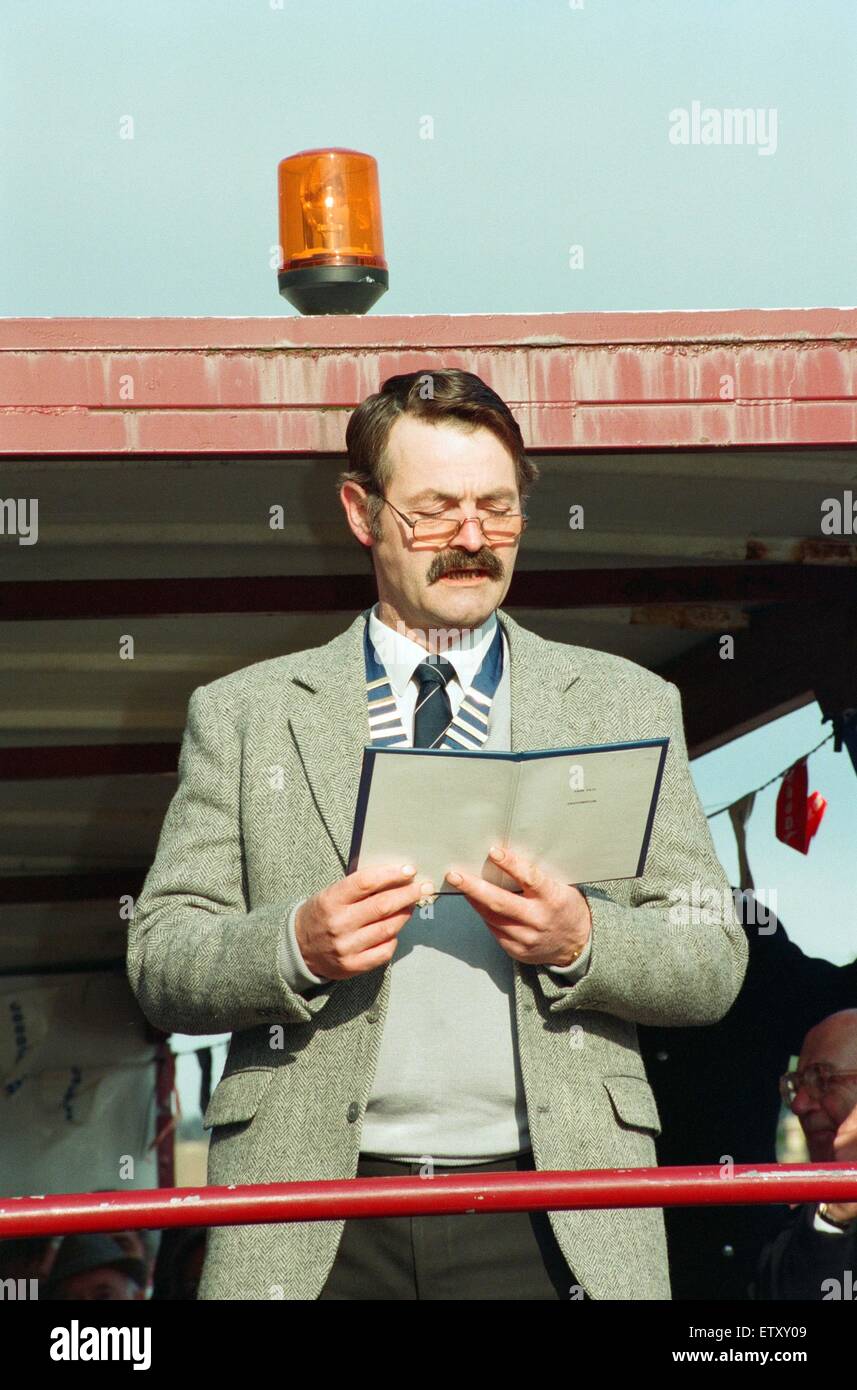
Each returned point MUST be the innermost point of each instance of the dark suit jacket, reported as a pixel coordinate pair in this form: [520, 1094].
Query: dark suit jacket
[802, 1263]
[716, 1090]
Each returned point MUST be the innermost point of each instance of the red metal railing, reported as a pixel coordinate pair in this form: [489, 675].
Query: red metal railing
[421, 1196]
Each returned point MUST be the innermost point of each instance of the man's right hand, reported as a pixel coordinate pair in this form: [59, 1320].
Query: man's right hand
[845, 1151]
[353, 926]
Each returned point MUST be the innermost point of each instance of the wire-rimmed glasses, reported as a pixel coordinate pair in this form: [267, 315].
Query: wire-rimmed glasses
[440, 530]
[816, 1079]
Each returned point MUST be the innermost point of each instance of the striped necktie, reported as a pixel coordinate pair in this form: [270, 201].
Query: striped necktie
[433, 712]
[468, 730]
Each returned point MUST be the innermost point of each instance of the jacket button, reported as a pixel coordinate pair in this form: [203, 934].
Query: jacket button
[352, 1112]
[662, 1056]
[728, 1251]
[373, 1016]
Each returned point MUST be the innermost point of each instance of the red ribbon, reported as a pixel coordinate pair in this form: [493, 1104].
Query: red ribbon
[798, 815]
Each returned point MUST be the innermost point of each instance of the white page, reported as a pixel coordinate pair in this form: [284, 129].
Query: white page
[436, 809]
[583, 834]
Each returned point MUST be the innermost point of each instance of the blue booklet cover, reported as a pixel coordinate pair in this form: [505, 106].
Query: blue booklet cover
[585, 815]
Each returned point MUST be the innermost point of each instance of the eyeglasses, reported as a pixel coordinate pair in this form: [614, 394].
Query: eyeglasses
[817, 1080]
[499, 526]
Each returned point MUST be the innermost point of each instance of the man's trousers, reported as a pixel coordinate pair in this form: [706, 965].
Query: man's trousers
[499, 1255]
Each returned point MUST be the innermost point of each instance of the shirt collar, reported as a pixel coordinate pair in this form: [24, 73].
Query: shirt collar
[400, 655]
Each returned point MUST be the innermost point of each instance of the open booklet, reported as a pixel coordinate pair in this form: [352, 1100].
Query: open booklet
[583, 814]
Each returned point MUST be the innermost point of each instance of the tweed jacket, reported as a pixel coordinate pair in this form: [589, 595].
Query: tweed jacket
[261, 818]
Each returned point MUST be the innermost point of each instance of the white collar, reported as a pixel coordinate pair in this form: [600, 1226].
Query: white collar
[400, 655]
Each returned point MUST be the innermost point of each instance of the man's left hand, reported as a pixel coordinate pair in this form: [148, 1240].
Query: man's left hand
[543, 926]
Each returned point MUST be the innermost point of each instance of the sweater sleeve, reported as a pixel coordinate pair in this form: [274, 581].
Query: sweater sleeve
[293, 967]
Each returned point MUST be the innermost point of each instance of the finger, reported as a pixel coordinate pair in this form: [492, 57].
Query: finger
[380, 905]
[511, 943]
[501, 935]
[523, 937]
[364, 882]
[500, 901]
[360, 942]
[370, 960]
[372, 879]
[533, 879]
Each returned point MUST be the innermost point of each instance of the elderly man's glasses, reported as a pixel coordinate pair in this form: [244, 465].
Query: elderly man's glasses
[817, 1080]
[440, 529]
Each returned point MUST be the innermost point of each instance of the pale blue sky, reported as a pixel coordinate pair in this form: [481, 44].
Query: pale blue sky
[551, 130]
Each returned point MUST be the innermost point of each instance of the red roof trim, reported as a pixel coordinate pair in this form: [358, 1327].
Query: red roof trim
[756, 378]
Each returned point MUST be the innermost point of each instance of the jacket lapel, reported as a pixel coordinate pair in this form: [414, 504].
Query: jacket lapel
[332, 734]
[544, 680]
[548, 711]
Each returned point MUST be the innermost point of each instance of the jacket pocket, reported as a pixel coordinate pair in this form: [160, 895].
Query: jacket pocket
[633, 1101]
[236, 1097]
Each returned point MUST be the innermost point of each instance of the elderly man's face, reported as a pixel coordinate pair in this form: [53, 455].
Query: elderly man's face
[105, 1285]
[440, 470]
[834, 1041]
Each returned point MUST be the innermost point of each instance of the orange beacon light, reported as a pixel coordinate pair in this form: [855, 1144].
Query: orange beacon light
[331, 242]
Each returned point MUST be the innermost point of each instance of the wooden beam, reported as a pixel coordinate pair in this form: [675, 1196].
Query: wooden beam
[35, 600]
[286, 385]
[87, 760]
[71, 888]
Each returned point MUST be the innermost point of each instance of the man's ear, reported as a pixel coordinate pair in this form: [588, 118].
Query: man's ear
[353, 499]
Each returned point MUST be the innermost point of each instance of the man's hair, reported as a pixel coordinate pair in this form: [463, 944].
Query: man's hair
[444, 396]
